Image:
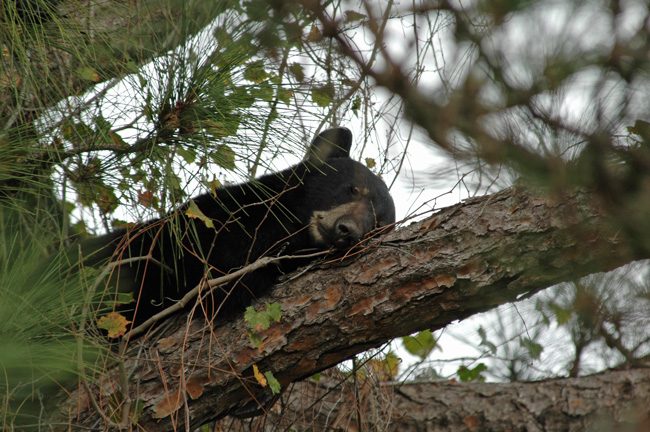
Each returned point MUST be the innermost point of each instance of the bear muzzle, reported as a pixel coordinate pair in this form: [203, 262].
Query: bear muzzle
[346, 232]
[341, 226]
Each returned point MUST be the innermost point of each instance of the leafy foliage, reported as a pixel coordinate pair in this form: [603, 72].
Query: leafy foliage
[466, 374]
[44, 310]
[421, 344]
[262, 320]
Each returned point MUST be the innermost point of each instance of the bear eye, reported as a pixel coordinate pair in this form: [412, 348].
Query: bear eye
[355, 191]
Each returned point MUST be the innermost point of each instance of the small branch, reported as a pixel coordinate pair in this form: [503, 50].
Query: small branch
[211, 284]
[615, 343]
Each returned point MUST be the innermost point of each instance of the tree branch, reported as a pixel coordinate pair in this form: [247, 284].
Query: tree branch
[613, 400]
[462, 260]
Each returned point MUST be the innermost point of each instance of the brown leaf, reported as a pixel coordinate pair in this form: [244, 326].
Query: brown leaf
[114, 323]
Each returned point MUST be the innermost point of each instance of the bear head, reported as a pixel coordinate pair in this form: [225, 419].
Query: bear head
[347, 200]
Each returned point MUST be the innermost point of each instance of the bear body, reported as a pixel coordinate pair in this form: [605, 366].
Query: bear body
[328, 200]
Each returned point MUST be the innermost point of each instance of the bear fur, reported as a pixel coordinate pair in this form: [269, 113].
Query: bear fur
[326, 201]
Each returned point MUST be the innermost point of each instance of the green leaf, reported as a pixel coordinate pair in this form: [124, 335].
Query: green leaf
[371, 163]
[392, 362]
[297, 71]
[534, 349]
[222, 36]
[123, 298]
[80, 229]
[143, 82]
[420, 345]
[106, 135]
[285, 96]
[275, 311]
[120, 224]
[214, 185]
[386, 368]
[255, 339]
[353, 16]
[188, 154]
[263, 91]
[255, 72]
[103, 125]
[224, 156]
[257, 321]
[356, 104]
[539, 307]
[223, 127]
[77, 133]
[194, 212]
[562, 315]
[136, 411]
[242, 97]
[466, 375]
[274, 384]
[485, 342]
[323, 95]
[256, 10]
[89, 74]
[132, 67]
[117, 140]
[106, 199]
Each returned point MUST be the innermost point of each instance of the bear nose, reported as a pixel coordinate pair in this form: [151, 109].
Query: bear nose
[346, 232]
[342, 229]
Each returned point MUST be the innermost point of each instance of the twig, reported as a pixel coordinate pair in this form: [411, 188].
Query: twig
[211, 284]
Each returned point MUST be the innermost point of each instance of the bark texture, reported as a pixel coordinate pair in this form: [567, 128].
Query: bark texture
[611, 401]
[462, 260]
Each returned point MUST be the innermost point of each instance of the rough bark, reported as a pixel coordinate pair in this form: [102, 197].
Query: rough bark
[611, 401]
[462, 260]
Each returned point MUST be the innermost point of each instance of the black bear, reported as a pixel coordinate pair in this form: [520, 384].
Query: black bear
[328, 200]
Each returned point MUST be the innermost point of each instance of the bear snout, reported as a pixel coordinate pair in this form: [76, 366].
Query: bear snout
[346, 232]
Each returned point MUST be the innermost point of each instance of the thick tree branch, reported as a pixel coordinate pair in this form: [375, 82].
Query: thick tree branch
[614, 400]
[462, 260]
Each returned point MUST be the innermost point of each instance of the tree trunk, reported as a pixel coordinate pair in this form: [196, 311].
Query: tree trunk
[462, 260]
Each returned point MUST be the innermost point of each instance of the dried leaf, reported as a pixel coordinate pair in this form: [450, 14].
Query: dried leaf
[353, 16]
[194, 212]
[114, 323]
[259, 377]
[314, 34]
[89, 74]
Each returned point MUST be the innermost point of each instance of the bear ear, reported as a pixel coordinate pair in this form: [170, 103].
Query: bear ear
[329, 144]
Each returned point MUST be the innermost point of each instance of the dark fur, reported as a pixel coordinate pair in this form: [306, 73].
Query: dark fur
[266, 217]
